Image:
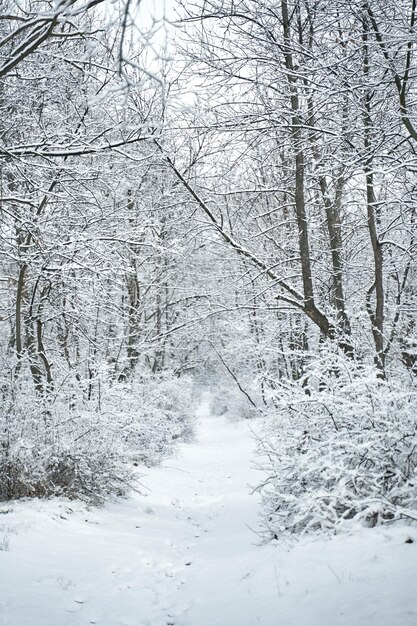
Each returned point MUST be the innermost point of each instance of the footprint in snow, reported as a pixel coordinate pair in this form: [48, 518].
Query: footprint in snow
[149, 510]
[76, 606]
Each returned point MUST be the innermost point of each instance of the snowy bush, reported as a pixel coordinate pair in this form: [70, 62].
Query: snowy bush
[343, 447]
[153, 413]
[230, 401]
[53, 451]
[90, 449]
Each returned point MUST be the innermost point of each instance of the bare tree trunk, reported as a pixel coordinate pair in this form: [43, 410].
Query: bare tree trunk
[333, 223]
[376, 313]
[297, 140]
[133, 315]
[133, 296]
[20, 291]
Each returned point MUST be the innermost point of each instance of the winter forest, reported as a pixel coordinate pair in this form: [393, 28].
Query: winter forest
[208, 212]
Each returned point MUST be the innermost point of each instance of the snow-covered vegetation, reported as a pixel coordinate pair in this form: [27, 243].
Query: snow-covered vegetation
[341, 448]
[221, 198]
[90, 449]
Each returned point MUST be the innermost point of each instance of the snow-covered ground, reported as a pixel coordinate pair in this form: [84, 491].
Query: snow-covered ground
[185, 554]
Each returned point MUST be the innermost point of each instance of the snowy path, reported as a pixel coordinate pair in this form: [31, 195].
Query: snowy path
[184, 555]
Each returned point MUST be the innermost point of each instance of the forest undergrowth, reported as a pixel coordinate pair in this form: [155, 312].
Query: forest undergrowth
[339, 448]
[92, 449]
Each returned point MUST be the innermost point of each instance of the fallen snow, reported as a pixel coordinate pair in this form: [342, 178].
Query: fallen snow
[185, 554]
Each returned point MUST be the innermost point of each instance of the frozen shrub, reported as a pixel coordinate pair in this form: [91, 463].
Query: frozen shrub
[90, 449]
[226, 399]
[342, 447]
[74, 456]
[153, 413]
[61, 472]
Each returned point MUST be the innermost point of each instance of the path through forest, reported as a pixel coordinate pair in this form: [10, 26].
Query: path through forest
[184, 554]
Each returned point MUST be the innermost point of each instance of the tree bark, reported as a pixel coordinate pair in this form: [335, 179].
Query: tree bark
[376, 313]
